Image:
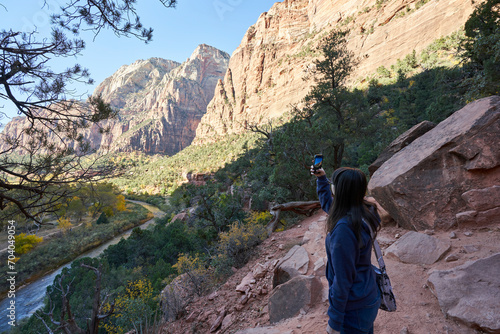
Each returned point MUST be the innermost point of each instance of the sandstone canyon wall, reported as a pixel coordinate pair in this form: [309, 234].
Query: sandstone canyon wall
[266, 72]
[162, 117]
[160, 103]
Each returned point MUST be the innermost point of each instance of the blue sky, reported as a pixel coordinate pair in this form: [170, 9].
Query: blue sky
[177, 32]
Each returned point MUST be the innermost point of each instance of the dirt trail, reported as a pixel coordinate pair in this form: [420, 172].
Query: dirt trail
[418, 310]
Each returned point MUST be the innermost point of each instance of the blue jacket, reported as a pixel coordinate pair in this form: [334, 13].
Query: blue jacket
[351, 279]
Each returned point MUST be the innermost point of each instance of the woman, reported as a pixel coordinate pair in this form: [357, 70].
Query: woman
[353, 292]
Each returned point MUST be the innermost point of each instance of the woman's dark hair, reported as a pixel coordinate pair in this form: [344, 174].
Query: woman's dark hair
[349, 200]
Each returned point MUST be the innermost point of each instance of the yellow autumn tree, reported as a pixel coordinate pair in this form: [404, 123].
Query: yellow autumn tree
[64, 224]
[134, 308]
[200, 276]
[236, 245]
[121, 205]
[26, 242]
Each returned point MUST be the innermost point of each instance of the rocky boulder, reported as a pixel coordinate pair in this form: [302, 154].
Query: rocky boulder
[401, 142]
[198, 179]
[471, 293]
[485, 205]
[293, 264]
[301, 292]
[448, 175]
[182, 216]
[385, 217]
[418, 248]
[246, 283]
[176, 296]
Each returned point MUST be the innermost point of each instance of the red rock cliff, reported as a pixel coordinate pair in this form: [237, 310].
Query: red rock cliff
[266, 72]
[162, 116]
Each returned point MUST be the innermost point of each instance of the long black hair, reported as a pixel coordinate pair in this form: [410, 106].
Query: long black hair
[349, 200]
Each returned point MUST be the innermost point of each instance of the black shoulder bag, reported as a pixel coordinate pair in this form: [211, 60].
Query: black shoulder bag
[388, 301]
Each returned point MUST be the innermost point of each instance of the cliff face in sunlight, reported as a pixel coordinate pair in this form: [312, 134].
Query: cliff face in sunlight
[269, 70]
[160, 103]
[164, 105]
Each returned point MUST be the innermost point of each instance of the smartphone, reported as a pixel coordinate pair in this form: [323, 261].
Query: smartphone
[318, 161]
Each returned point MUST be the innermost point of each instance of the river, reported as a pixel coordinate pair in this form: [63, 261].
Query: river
[30, 297]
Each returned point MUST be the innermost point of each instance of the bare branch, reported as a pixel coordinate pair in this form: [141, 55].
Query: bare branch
[44, 323]
[118, 15]
[304, 208]
[266, 130]
[96, 317]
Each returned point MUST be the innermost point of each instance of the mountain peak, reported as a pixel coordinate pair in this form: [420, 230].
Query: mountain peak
[204, 50]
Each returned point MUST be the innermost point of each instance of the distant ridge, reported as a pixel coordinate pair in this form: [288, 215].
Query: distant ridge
[160, 103]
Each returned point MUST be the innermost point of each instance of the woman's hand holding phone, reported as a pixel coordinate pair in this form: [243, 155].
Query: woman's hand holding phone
[317, 166]
[317, 172]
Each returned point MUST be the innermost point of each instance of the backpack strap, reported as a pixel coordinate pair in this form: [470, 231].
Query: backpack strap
[376, 248]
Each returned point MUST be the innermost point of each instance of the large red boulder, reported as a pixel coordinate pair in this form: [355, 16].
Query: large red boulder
[401, 142]
[449, 175]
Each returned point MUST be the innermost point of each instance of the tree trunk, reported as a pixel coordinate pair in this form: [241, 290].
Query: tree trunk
[304, 208]
[96, 304]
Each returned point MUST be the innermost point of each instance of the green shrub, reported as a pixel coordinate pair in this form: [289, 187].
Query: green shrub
[103, 219]
[383, 72]
[235, 246]
[197, 272]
